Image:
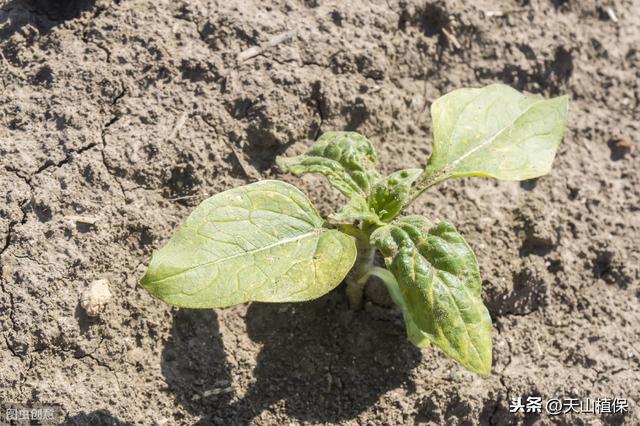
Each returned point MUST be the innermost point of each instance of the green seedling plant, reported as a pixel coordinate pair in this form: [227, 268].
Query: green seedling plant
[265, 242]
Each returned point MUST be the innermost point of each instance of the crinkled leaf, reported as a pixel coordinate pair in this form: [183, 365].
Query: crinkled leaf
[356, 209]
[439, 278]
[495, 131]
[347, 159]
[334, 172]
[260, 242]
[391, 193]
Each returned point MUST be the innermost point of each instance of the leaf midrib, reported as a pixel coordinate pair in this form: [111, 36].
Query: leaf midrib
[313, 232]
[489, 141]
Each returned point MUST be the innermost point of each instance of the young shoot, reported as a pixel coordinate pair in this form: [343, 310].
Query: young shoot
[265, 242]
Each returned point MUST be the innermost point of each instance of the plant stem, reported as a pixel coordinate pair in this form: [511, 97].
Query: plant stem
[359, 275]
[390, 282]
[427, 182]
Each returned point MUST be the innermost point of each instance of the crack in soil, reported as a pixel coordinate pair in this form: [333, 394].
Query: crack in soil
[315, 97]
[103, 136]
[101, 364]
[3, 287]
[48, 164]
[238, 157]
[105, 162]
[28, 180]
[90, 355]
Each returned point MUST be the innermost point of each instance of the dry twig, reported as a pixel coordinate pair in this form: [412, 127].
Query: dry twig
[272, 42]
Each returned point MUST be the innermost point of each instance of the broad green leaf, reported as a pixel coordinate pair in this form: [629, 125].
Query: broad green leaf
[347, 159]
[390, 194]
[260, 242]
[356, 209]
[495, 131]
[439, 279]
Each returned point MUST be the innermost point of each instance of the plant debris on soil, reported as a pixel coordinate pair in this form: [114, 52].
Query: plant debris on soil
[117, 117]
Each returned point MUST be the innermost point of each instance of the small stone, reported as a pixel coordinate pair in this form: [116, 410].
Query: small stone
[95, 297]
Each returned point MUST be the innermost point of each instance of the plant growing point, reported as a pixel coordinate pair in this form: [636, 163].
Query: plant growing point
[265, 242]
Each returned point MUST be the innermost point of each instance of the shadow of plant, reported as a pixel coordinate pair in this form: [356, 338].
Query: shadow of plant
[42, 14]
[194, 360]
[95, 418]
[324, 361]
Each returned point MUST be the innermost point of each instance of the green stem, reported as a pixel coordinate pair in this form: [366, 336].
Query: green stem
[424, 184]
[359, 275]
[390, 282]
[354, 231]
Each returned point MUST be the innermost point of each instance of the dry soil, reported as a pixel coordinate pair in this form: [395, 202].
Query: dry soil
[117, 117]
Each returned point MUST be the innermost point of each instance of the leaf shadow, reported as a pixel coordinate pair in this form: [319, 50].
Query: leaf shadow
[319, 362]
[96, 418]
[42, 14]
[194, 361]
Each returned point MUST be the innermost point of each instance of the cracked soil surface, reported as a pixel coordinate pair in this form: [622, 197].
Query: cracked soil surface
[119, 116]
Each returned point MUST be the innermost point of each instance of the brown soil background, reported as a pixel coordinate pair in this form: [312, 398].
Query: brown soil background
[133, 111]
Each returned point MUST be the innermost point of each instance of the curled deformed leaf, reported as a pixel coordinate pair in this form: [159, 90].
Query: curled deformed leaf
[260, 242]
[438, 276]
[347, 159]
[494, 131]
[357, 209]
[390, 194]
